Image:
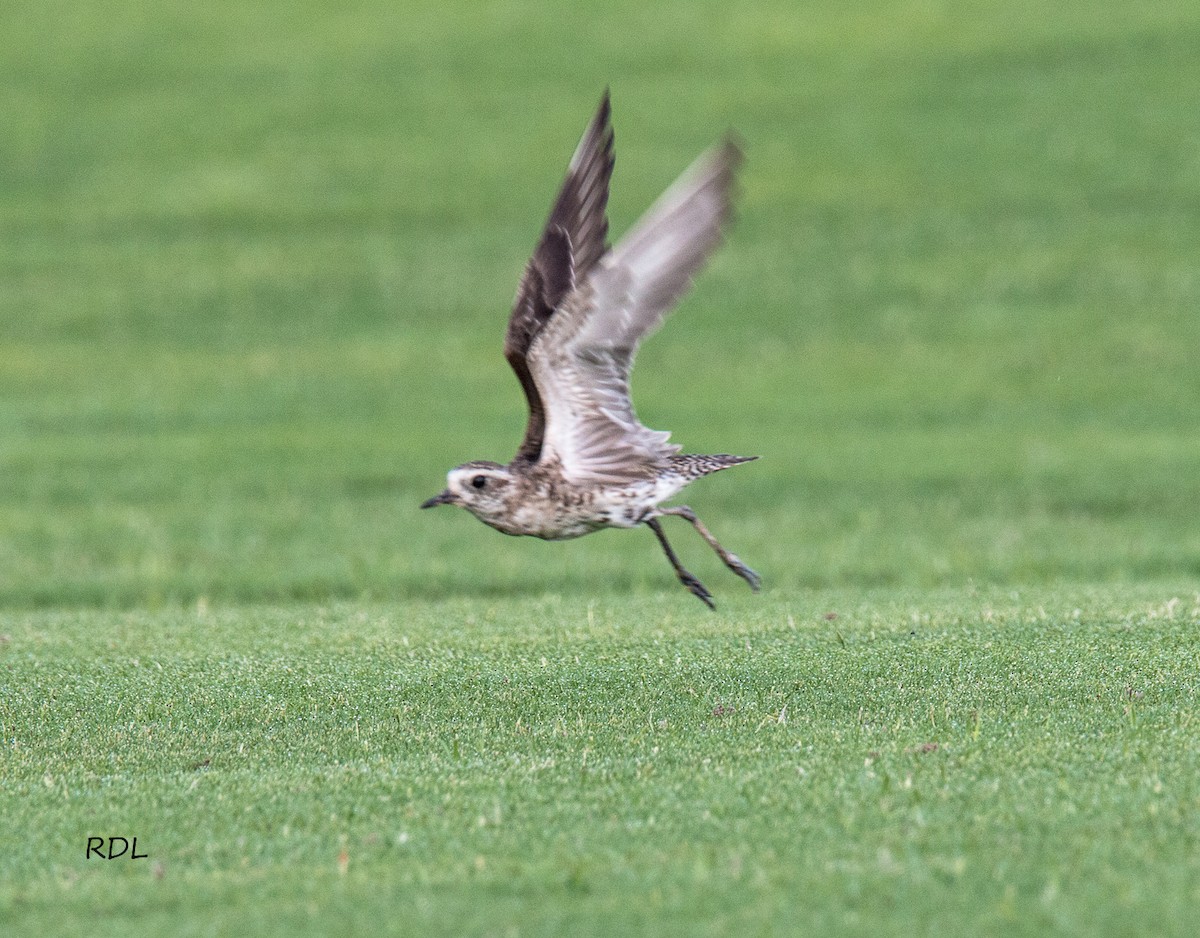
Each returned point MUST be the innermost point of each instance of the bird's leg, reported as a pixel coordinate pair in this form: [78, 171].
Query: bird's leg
[695, 587]
[731, 560]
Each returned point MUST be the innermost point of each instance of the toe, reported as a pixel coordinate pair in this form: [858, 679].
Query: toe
[697, 589]
[736, 565]
[751, 577]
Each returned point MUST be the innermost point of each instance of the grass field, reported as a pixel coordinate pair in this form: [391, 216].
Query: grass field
[255, 261]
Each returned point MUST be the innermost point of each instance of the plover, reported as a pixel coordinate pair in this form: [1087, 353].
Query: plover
[581, 309]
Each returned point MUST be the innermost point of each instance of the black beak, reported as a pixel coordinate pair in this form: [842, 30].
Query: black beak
[445, 498]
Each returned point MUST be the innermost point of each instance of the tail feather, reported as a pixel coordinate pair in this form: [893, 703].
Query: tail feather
[693, 466]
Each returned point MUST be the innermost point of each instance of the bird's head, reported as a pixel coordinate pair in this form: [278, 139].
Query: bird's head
[480, 487]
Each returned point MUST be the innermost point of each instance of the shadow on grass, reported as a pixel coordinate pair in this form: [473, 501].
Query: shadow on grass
[140, 596]
[608, 585]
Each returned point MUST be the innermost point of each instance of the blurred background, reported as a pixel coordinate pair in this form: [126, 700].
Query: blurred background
[256, 262]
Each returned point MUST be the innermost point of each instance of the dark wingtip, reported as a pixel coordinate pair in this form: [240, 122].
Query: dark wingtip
[735, 145]
[602, 122]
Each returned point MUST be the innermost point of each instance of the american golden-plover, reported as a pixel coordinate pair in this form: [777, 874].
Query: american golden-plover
[581, 309]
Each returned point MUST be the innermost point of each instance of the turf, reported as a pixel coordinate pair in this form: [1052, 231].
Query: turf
[254, 266]
[949, 762]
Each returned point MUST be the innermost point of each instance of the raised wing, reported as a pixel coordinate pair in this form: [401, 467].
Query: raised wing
[581, 359]
[573, 240]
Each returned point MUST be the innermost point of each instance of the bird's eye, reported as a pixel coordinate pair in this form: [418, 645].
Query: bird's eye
[479, 481]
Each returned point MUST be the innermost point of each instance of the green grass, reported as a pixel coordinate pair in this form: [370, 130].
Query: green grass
[942, 762]
[255, 261]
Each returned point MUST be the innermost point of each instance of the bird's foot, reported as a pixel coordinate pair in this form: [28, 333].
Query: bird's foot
[735, 564]
[697, 589]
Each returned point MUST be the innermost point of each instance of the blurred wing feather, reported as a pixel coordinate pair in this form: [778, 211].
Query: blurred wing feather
[573, 239]
[582, 358]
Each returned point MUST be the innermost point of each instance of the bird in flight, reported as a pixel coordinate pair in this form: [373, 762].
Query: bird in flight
[581, 309]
